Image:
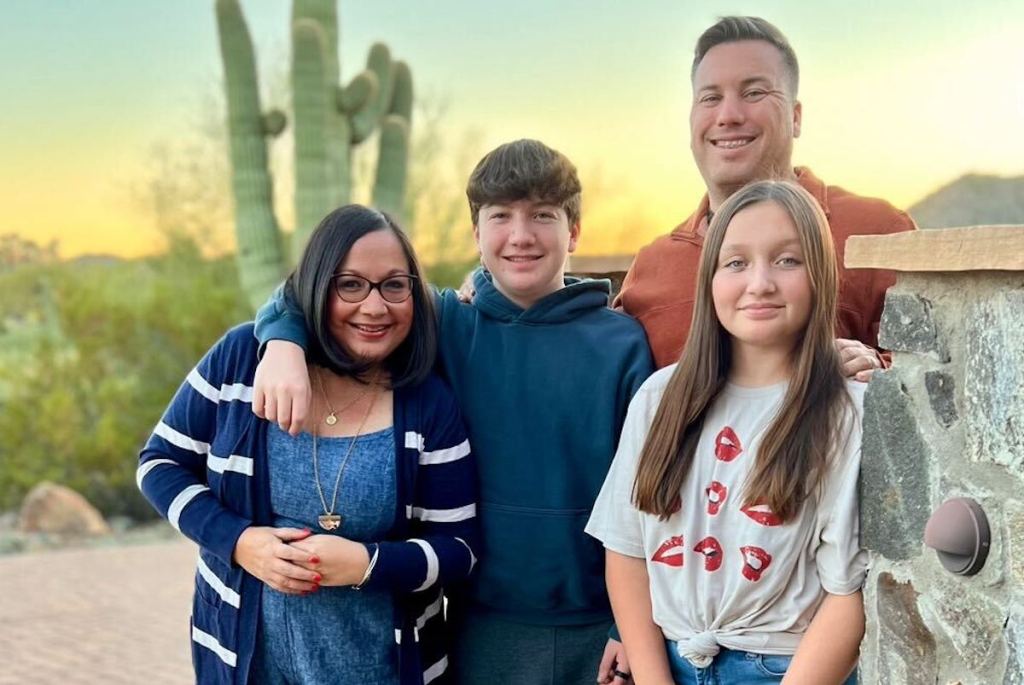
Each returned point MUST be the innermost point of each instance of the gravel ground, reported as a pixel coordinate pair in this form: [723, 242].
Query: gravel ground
[99, 615]
[125, 532]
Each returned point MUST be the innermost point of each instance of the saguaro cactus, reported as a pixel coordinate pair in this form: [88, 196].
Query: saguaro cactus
[328, 120]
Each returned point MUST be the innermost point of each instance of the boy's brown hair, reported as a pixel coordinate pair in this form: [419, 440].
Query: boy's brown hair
[524, 170]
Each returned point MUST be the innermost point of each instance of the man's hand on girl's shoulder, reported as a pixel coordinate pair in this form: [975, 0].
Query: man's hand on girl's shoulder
[859, 361]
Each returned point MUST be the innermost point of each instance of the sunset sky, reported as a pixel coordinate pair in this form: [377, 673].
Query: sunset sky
[899, 97]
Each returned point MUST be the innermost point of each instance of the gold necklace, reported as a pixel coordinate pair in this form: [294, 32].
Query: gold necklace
[329, 520]
[332, 416]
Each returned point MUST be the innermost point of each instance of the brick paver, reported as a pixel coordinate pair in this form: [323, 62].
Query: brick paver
[102, 615]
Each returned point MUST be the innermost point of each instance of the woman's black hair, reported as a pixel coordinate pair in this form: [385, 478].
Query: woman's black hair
[309, 288]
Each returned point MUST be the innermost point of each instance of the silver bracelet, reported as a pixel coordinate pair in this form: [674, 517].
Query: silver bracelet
[369, 569]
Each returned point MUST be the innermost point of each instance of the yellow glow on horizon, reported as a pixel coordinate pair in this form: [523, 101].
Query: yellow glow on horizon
[890, 110]
[85, 213]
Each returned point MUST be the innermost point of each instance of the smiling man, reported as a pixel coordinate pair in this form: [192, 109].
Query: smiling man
[744, 118]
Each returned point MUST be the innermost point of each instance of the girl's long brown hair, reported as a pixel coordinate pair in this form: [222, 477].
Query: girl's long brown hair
[793, 455]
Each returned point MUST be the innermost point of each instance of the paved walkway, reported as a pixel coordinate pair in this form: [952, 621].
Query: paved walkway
[104, 615]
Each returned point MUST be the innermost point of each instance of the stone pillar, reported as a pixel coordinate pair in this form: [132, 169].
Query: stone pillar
[947, 420]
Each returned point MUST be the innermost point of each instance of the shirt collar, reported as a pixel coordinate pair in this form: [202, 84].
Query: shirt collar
[694, 228]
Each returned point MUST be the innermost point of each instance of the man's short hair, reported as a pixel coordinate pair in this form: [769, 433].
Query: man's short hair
[524, 170]
[735, 29]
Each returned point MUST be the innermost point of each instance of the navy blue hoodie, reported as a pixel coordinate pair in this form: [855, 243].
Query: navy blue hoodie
[544, 393]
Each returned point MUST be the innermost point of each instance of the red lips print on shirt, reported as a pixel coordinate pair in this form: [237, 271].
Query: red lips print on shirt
[755, 561]
[727, 445]
[712, 551]
[762, 514]
[716, 494]
[670, 552]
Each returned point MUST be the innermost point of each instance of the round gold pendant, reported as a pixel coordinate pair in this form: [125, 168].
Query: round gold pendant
[331, 419]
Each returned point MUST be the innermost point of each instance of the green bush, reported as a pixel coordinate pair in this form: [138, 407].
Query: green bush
[450, 274]
[91, 352]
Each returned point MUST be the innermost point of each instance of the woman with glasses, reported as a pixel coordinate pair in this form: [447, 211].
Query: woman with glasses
[323, 555]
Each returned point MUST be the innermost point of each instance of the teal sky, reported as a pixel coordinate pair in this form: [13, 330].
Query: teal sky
[899, 97]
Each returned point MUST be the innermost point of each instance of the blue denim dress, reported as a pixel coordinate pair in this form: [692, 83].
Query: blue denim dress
[337, 634]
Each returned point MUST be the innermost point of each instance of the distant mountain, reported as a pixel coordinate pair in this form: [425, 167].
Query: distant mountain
[96, 258]
[972, 200]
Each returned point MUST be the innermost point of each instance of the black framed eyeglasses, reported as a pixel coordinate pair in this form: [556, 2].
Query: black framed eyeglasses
[394, 289]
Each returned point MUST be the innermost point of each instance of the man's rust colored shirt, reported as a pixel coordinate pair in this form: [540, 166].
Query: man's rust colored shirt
[660, 285]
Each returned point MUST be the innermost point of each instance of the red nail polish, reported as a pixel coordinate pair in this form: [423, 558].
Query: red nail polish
[314, 560]
[315, 588]
[317, 578]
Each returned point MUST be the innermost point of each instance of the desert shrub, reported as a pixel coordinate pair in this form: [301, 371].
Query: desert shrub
[450, 274]
[90, 354]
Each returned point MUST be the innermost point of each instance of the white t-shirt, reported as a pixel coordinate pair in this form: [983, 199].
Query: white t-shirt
[722, 575]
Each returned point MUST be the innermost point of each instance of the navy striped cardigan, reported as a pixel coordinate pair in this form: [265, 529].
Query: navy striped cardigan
[205, 469]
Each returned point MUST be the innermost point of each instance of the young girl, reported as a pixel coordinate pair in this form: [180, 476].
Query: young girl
[729, 516]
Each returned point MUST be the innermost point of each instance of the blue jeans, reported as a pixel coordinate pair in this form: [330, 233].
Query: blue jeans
[733, 668]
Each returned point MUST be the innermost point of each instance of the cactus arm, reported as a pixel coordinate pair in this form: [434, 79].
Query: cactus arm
[325, 14]
[393, 156]
[392, 163]
[310, 102]
[274, 123]
[337, 146]
[359, 93]
[260, 256]
[339, 163]
[401, 98]
[366, 120]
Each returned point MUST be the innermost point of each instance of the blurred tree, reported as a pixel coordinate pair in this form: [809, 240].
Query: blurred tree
[185, 187]
[17, 251]
[187, 193]
[435, 195]
[437, 214]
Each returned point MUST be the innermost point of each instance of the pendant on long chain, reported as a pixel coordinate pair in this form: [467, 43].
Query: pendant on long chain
[331, 419]
[329, 521]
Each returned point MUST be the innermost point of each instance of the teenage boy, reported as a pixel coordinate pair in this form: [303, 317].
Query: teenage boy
[543, 372]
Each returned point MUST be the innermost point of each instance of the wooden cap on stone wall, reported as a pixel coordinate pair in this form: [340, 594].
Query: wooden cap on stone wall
[612, 267]
[973, 248]
[600, 264]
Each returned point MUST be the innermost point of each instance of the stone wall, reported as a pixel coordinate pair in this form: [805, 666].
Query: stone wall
[947, 420]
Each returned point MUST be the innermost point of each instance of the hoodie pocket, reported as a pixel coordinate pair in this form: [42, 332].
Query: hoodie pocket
[539, 560]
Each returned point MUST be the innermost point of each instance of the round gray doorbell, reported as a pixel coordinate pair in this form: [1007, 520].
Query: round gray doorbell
[958, 532]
